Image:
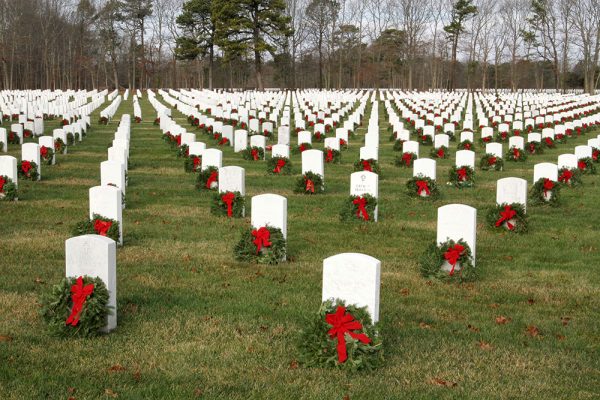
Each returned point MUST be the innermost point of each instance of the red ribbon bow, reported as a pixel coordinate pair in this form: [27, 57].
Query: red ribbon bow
[565, 176]
[595, 155]
[407, 158]
[212, 178]
[361, 202]
[452, 255]
[329, 156]
[179, 140]
[261, 238]
[548, 185]
[516, 153]
[2, 182]
[228, 198]
[462, 174]
[223, 141]
[79, 294]
[254, 153]
[302, 147]
[342, 142]
[423, 186]
[506, 216]
[367, 166]
[310, 185]
[280, 164]
[196, 161]
[532, 147]
[25, 166]
[343, 324]
[548, 141]
[102, 227]
[440, 153]
[43, 151]
[467, 146]
[492, 160]
[581, 165]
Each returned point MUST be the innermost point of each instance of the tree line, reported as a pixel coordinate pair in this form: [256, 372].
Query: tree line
[408, 44]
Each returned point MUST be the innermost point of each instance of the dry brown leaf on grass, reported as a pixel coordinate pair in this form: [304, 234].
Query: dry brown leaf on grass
[442, 382]
[473, 328]
[424, 325]
[501, 320]
[561, 337]
[565, 320]
[530, 301]
[404, 292]
[4, 338]
[294, 364]
[198, 392]
[111, 393]
[116, 368]
[485, 345]
[494, 305]
[533, 331]
[346, 397]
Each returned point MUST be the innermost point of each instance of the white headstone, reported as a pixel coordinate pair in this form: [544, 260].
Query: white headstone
[465, 158]
[196, 149]
[212, 158]
[495, 149]
[516, 141]
[568, 161]
[232, 179]
[240, 140]
[367, 153]
[280, 150]
[583, 151]
[365, 182]
[112, 172]
[269, 209]
[31, 152]
[411, 147]
[4, 140]
[304, 137]
[455, 222]
[441, 140]
[8, 167]
[312, 161]
[511, 190]
[425, 167]
[545, 170]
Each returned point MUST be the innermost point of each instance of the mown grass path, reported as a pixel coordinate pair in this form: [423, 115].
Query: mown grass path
[195, 323]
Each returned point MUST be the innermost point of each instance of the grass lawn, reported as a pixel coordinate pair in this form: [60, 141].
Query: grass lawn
[194, 323]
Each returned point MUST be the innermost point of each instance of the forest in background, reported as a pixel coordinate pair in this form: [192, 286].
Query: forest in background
[407, 44]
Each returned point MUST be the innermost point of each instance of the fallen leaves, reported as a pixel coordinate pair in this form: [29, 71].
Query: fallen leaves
[293, 364]
[473, 328]
[111, 393]
[501, 320]
[561, 337]
[494, 305]
[485, 345]
[442, 382]
[424, 325]
[532, 331]
[5, 338]
[116, 368]
[404, 292]
[565, 320]
[530, 301]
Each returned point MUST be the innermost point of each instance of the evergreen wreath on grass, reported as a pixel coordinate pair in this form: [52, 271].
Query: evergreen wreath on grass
[569, 177]
[595, 154]
[208, 179]
[319, 137]
[265, 245]
[360, 208]
[169, 139]
[27, 134]
[59, 146]
[309, 183]
[192, 163]
[183, 151]
[502, 137]
[510, 217]
[545, 192]
[253, 153]
[341, 336]
[462, 177]
[28, 170]
[230, 204]
[441, 152]
[46, 154]
[449, 261]
[516, 154]
[398, 144]
[279, 165]
[560, 138]
[586, 166]
[370, 165]
[98, 225]
[70, 139]
[466, 145]
[426, 140]
[549, 143]
[491, 162]
[76, 307]
[8, 189]
[405, 160]
[343, 144]
[422, 187]
[332, 156]
[302, 147]
[13, 138]
[487, 139]
[534, 148]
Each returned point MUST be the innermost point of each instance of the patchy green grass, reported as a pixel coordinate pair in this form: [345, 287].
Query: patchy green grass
[195, 323]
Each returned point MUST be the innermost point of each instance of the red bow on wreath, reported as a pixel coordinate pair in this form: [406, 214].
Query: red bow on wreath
[343, 142]
[343, 324]
[566, 176]
[516, 153]
[532, 147]
[196, 162]
[302, 147]
[506, 216]
[595, 155]
[462, 174]
[492, 160]
[310, 185]
[407, 158]
[361, 202]
[261, 238]
[280, 164]
[43, 151]
[25, 166]
[79, 294]
[179, 140]
[581, 165]
[211, 179]
[440, 153]
[548, 141]
[254, 153]
[102, 227]
[329, 156]
[423, 186]
[452, 255]
[467, 146]
[2, 182]
[228, 198]
[548, 185]
[367, 166]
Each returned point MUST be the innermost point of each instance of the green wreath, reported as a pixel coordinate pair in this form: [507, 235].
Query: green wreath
[515, 154]
[335, 158]
[462, 182]
[417, 190]
[466, 145]
[273, 253]
[301, 147]
[441, 152]
[545, 192]
[351, 211]
[56, 305]
[491, 162]
[47, 158]
[426, 140]
[27, 134]
[486, 139]
[70, 139]
[319, 137]
[560, 138]
[192, 163]
[89, 227]
[569, 177]
[220, 207]
[433, 259]
[169, 139]
[28, 170]
[371, 165]
[549, 143]
[534, 148]
[502, 137]
[183, 151]
[512, 219]
[13, 138]
[59, 146]
[595, 154]
[398, 144]
[8, 189]
[259, 153]
[202, 182]
[406, 159]
[309, 183]
[318, 349]
[279, 165]
[586, 166]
